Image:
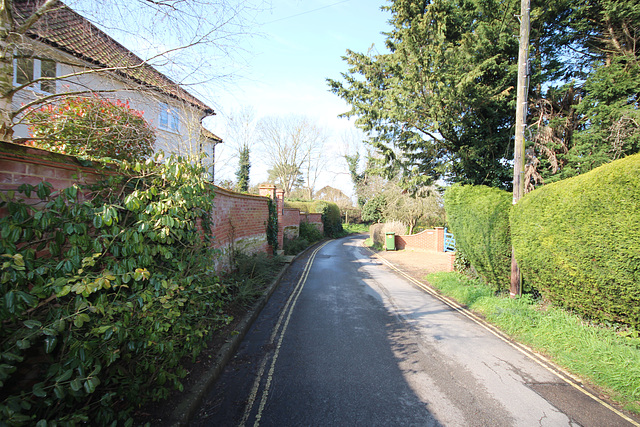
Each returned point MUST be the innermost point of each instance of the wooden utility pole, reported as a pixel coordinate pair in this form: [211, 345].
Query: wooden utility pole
[521, 122]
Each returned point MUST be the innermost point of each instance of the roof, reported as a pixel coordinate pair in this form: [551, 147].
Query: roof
[210, 135]
[70, 32]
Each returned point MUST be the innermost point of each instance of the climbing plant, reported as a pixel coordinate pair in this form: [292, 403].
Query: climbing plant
[103, 290]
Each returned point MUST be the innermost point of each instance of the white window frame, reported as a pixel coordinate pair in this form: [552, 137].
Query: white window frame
[37, 73]
[169, 118]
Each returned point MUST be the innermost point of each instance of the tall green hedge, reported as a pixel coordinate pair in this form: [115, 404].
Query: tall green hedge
[578, 241]
[478, 217]
[331, 219]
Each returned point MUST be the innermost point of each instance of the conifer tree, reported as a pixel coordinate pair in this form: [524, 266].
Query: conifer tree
[244, 166]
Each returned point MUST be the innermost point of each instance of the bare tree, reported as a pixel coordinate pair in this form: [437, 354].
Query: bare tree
[240, 137]
[424, 205]
[180, 37]
[293, 146]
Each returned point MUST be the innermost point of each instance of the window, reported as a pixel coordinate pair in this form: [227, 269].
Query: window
[169, 118]
[27, 69]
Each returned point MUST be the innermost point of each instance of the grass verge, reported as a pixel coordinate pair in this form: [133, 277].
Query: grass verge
[355, 228]
[599, 354]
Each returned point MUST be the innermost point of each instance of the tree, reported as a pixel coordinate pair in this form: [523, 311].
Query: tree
[92, 127]
[425, 205]
[373, 209]
[439, 103]
[581, 124]
[293, 146]
[241, 127]
[244, 166]
[191, 33]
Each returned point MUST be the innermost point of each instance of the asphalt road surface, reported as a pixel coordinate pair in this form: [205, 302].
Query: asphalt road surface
[347, 341]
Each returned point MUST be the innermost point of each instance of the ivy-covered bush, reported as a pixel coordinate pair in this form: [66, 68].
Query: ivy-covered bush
[578, 241]
[331, 219]
[93, 127]
[102, 292]
[478, 217]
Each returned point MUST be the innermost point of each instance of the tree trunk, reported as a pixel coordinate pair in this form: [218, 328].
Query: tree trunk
[6, 72]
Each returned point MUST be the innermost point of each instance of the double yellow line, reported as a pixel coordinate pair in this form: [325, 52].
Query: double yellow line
[277, 335]
[528, 352]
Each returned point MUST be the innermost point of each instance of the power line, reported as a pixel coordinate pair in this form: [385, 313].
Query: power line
[307, 12]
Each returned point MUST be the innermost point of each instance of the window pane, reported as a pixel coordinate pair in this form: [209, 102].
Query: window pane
[48, 69]
[175, 120]
[24, 71]
[164, 116]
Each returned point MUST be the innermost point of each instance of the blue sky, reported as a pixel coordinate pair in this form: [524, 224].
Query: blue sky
[298, 46]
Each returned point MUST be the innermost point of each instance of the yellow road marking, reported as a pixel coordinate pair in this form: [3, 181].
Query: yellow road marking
[286, 312]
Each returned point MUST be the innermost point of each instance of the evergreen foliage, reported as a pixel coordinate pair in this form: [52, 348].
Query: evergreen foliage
[440, 100]
[478, 217]
[244, 166]
[577, 241]
[272, 225]
[331, 219]
[105, 289]
[373, 209]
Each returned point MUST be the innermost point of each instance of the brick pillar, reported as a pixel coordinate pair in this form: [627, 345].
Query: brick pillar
[280, 199]
[267, 191]
[452, 260]
[440, 239]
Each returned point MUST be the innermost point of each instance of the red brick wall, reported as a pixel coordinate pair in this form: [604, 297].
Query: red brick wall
[20, 164]
[239, 223]
[291, 222]
[430, 240]
[313, 218]
[239, 220]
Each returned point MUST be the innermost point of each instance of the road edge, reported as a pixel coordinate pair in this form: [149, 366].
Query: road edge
[190, 402]
[570, 379]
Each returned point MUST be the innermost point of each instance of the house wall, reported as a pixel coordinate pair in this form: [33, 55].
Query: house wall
[187, 142]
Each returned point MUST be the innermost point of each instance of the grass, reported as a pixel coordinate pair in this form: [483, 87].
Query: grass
[600, 354]
[376, 246]
[251, 276]
[355, 228]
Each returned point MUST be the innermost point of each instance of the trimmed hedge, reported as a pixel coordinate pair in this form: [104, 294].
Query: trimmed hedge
[331, 219]
[478, 217]
[578, 241]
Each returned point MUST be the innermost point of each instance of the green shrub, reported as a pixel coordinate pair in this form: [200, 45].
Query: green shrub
[92, 127]
[578, 241]
[310, 232]
[103, 292]
[478, 217]
[331, 220]
[295, 246]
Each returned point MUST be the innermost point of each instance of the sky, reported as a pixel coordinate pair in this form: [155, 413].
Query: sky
[297, 46]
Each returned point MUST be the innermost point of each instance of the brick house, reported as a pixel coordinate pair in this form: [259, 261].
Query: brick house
[65, 45]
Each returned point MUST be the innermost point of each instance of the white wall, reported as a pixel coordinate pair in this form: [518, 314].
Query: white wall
[185, 142]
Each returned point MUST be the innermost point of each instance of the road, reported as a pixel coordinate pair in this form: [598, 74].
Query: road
[347, 341]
